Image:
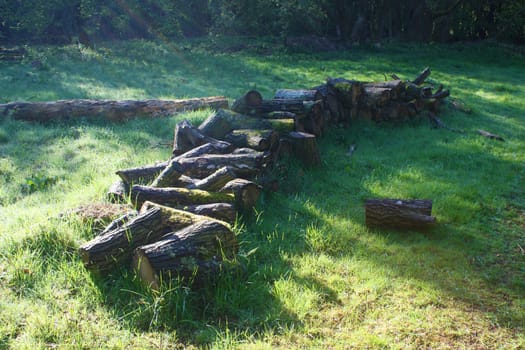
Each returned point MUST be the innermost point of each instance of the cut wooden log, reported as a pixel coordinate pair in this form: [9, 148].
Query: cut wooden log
[279, 115]
[118, 191]
[119, 222]
[114, 248]
[215, 181]
[220, 211]
[420, 79]
[376, 96]
[193, 252]
[490, 135]
[259, 140]
[304, 147]
[248, 103]
[106, 109]
[246, 193]
[188, 137]
[175, 196]
[399, 214]
[245, 165]
[222, 122]
[143, 175]
[301, 95]
[169, 176]
[348, 92]
[220, 147]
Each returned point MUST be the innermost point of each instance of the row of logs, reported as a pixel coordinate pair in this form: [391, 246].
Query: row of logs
[187, 203]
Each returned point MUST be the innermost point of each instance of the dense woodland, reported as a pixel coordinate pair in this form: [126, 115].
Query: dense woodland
[65, 21]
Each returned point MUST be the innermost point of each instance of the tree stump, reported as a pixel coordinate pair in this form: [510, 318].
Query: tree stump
[399, 214]
[304, 147]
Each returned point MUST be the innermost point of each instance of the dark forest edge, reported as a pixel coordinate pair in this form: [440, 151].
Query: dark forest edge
[356, 21]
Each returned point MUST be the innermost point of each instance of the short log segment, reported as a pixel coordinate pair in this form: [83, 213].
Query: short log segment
[196, 251]
[399, 214]
[301, 95]
[106, 109]
[245, 165]
[169, 176]
[246, 193]
[304, 147]
[114, 248]
[248, 103]
[188, 137]
[220, 211]
[144, 174]
[215, 181]
[259, 140]
[175, 196]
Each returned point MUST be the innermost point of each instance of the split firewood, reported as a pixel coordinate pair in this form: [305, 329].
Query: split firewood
[399, 214]
[106, 109]
[196, 251]
[114, 248]
[490, 135]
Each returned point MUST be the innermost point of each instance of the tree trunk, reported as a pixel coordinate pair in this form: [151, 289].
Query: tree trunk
[188, 137]
[301, 95]
[114, 248]
[399, 214]
[246, 193]
[106, 109]
[248, 103]
[215, 181]
[304, 147]
[193, 252]
[259, 140]
[175, 196]
[244, 165]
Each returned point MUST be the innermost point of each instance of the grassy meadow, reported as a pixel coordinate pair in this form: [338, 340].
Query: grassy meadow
[310, 274]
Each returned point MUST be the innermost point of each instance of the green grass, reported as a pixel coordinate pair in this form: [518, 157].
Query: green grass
[310, 274]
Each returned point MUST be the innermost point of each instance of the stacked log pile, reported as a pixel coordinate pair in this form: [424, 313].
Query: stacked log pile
[186, 204]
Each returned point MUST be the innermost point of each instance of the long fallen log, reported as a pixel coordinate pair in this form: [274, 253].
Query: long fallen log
[196, 251]
[399, 214]
[106, 109]
[115, 247]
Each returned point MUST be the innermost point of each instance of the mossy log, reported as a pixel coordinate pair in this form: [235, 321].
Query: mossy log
[376, 96]
[304, 147]
[348, 92]
[169, 176]
[399, 214]
[246, 193]
[244, 165]
[188, 137]
[175, 196]
[196, 251]
[259, 140]
[114, 248]
[215, 181]
[220, 211]
[222, 122]
[248, 103]
[106, 109]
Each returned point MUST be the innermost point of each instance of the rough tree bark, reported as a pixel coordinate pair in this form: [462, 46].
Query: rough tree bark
[399, 214]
